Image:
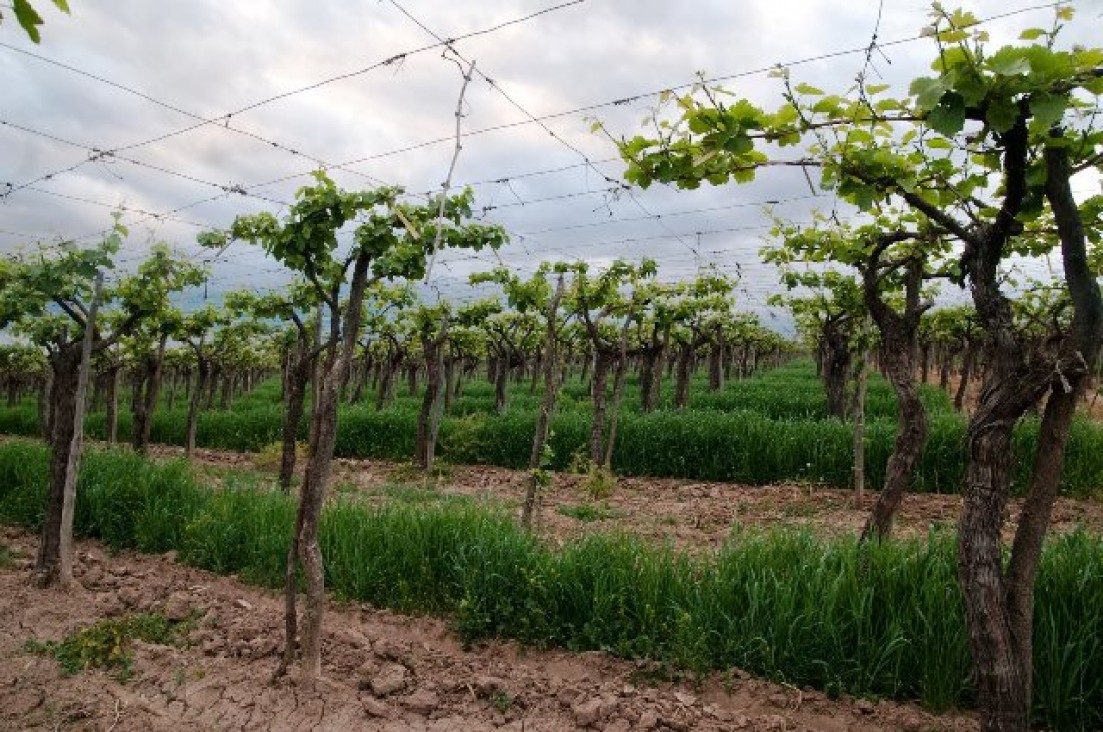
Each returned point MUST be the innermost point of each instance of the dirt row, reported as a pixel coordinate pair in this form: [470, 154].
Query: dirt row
[382, 671]
[690, 514]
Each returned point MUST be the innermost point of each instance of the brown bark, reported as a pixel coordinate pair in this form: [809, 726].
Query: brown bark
[298, 376]
[501, 379]
[64, 367]
[170, 398]
[390, 365]
[716, 365]
[684, 370]
[148, 386]
[999, 604]
[835, 359]
[111, 399]
[534, 381]
[428, 422]
[619, 376]
[651, 368]
[899, 334]
[547, 406]
[212, 390]
[946, 364]
[226, 397]
[316, 482]
[967, 363]
[71, 366]
[202, 374]
[364, 377]
[648, 361]
[602, 360]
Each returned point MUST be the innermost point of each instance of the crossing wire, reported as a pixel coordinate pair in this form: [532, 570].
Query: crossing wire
[534, 119]
[537, 119]
[224, 119]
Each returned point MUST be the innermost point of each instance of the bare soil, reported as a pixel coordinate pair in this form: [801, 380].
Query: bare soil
[382, 671]
[689, 514]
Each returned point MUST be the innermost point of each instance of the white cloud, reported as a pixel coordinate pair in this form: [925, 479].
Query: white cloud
[211, 57]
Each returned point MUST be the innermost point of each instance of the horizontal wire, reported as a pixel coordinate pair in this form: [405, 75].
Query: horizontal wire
[225, 118]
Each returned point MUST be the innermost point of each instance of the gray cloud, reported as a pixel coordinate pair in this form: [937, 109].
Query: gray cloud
[210, 58]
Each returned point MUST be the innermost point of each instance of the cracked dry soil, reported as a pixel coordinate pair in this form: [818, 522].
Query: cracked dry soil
[690, 514]
[382, 671]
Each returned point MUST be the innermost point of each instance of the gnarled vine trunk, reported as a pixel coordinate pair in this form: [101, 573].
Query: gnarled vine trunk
[70, 365]
[299, 369]
[305, 550]
[835, 359]
[501, 382]
[547, 406]
[148, 386]
[684, 370]
[619, 376]
[899, 344]
[64, 367]
[428, 421]
[999, 602]
[202, 374]
[603, 359]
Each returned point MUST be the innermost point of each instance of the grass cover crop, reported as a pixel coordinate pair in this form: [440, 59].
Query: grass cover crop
[747, 441]
[786, 605]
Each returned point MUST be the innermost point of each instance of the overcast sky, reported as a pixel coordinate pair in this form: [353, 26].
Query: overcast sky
[208, 58]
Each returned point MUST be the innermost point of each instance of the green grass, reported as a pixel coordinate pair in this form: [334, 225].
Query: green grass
[787, 605]
[411, 495]
[763, 430]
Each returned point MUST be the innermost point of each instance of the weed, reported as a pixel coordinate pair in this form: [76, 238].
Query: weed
[800, 509]
[270, 456]
[588, 512]
[407, 473]
[651, 673]
[107, 643]
[599, 482]
[345, 488]
[465, 437]
[7, 557]
[411, 493]
[501, 701]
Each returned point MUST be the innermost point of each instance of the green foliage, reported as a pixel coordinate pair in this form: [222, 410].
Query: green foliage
[107, 643]
[29, 19]
[884, 621]
[270, 456]
[598, 481]
[939, 148]
[589, 512]
[501, 700]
